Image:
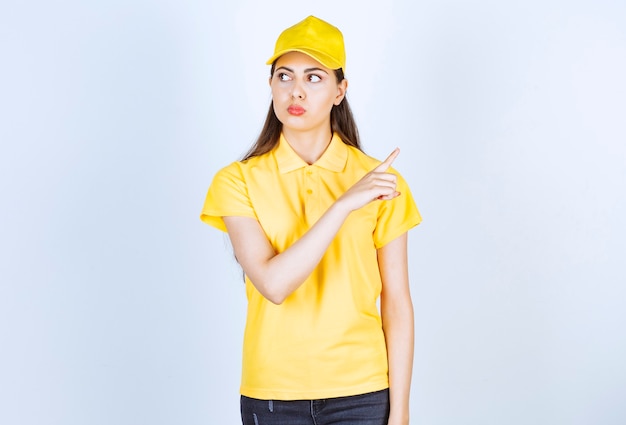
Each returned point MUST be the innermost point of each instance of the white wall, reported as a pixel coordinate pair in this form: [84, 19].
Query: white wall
[118, 306]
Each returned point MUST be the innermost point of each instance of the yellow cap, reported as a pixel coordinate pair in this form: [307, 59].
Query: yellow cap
[313, 37]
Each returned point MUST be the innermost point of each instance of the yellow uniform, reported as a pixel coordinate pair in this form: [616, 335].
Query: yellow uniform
[325, 340]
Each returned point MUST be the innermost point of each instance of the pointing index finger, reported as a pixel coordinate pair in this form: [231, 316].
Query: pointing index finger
[384, 166]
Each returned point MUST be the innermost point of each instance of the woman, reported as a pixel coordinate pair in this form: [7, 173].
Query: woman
[319, 229]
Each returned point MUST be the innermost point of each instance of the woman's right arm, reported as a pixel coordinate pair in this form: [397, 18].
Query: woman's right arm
[276, 276]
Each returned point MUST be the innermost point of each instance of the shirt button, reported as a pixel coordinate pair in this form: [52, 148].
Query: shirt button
[309, 191]
[309, 172]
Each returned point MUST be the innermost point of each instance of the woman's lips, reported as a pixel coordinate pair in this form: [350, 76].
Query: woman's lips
[296, 110]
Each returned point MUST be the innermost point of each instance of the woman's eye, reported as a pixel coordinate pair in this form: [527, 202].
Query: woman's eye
[283, 77]
[314, 78]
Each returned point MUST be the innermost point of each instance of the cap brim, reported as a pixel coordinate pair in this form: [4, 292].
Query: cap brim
[322, 58]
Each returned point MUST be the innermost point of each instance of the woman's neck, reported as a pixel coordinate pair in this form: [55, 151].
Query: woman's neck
[309, 145]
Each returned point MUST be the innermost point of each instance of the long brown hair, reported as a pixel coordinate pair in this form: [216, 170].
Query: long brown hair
[341, 121]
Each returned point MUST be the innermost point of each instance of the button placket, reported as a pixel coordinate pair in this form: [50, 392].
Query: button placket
[309, 180]
[310, 188]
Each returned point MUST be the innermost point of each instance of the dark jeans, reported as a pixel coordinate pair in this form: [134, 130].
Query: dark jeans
[363, 409]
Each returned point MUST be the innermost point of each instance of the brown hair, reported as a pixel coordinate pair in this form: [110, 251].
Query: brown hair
[341, 121]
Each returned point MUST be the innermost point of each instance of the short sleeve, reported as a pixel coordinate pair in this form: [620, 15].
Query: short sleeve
[397, 216]
[227, 196]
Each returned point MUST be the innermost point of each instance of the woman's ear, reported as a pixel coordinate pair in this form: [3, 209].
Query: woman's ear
[342, 88]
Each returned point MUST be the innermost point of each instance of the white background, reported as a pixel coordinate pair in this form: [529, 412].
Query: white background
[118, 306]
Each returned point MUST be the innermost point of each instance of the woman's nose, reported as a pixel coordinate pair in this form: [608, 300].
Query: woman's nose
[298, 91]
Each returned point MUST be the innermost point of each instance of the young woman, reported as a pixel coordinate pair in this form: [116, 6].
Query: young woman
[319, 229]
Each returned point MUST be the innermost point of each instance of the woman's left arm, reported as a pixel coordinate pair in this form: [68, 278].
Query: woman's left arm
[397, 317]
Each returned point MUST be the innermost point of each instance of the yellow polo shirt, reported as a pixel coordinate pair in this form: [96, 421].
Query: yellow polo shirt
[325, 340]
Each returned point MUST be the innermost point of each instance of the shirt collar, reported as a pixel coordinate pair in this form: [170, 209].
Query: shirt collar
[333, 159]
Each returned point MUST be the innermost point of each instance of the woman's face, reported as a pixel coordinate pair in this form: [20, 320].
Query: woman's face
[304, 92]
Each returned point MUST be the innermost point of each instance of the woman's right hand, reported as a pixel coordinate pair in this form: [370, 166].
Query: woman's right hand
[378, 184]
